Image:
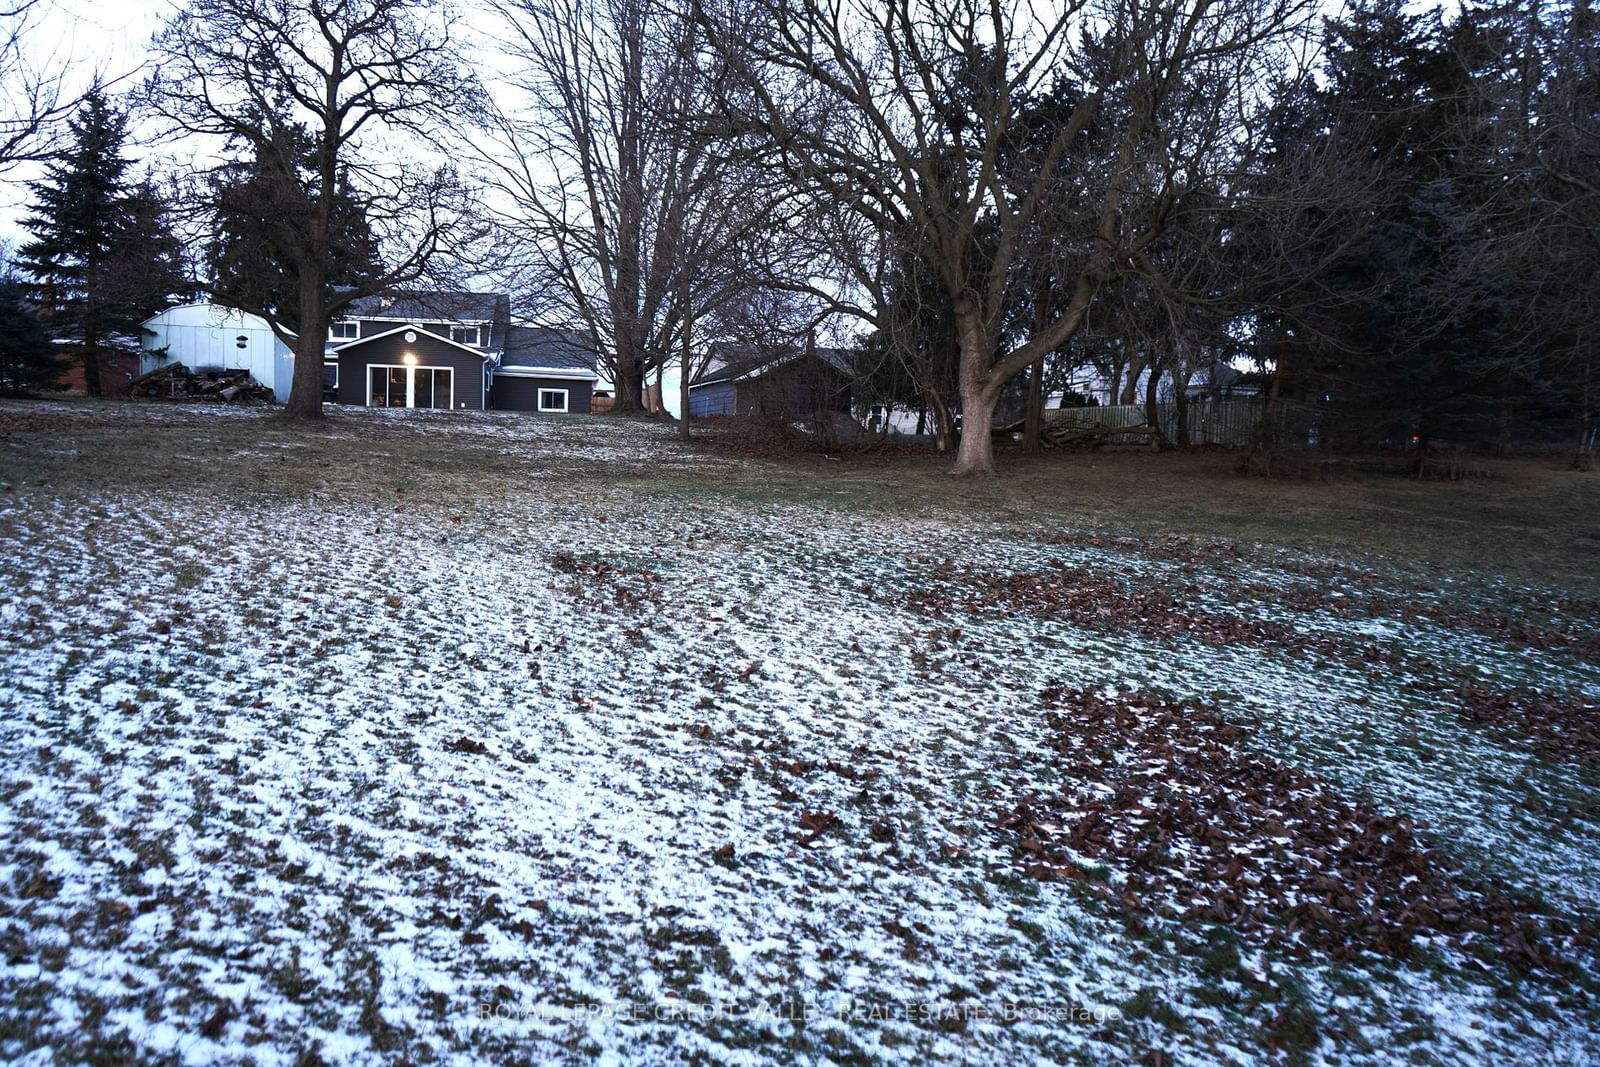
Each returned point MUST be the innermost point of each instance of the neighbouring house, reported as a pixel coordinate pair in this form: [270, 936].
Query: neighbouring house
[209, 336]
[119, 364]
[790, 384]
[455, 351]
[1222, 381]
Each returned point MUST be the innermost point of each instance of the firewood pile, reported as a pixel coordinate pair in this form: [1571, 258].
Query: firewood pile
[177, 382]
[1097, 436]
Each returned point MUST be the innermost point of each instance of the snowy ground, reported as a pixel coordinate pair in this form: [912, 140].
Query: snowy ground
[478, 738]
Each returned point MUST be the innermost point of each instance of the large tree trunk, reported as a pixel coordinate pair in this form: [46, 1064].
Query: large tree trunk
[944, 430]
[975, 450]
[1152, 408]
[305, 388]
[1033, 421]
[683, 385]
[629, 383]
[979, 395]
[1130, 388]
[1581, 458]
[1264, 441]
[1180, 415]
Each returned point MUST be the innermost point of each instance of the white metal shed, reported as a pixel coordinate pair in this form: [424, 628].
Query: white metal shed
[210, 335]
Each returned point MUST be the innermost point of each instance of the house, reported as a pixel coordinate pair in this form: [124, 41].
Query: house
[790, 384]
[1222, 381]
[118, 359]
[455, 351]
[204, 336]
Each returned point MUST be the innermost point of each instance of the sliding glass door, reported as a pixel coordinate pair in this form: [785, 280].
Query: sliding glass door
[441, 387]
[410, 387]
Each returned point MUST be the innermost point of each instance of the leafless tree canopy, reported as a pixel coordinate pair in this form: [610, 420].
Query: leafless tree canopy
[905, 114]
[622, 212]
[33, 99]
[370, 83]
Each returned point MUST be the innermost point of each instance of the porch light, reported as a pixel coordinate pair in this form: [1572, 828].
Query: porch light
[409, 360]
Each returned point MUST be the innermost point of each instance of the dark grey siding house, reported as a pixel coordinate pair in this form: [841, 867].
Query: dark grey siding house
[409, 367]
[455, 351]
[544, 370]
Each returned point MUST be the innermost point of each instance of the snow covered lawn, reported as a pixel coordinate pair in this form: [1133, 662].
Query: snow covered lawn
[490, 738]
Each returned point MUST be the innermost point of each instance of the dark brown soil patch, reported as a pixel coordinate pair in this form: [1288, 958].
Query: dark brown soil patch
[1563, 726]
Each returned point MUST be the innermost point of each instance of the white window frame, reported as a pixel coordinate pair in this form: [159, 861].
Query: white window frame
[566, 400]
[476, 331]
[411, 384]
[335, 365]
[341, 337]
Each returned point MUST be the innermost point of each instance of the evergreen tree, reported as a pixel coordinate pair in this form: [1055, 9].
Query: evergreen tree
[251, 260]
[1410, 330]
[28, 360]
[103, 257]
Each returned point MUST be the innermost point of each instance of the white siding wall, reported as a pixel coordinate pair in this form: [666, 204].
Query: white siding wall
[205, 335]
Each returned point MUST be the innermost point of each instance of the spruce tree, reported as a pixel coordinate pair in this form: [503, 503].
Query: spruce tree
[28, 360]
[251, 258]
[1413, 343]
[102, 256]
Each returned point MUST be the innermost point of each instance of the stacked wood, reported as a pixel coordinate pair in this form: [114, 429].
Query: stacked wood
[1097, 436]
[174, 381]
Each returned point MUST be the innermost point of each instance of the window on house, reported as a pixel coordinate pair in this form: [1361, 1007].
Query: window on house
[467, 335]
[552, 400]
[344, 331]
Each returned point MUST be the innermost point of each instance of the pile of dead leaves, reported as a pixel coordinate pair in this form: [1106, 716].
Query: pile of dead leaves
[1409, 603]
[1199, 827]
[1572, 639]
[1565, 727]
[624, 586]
[1093, 601]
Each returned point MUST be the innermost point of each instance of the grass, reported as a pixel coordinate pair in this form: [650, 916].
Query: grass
[316, 740]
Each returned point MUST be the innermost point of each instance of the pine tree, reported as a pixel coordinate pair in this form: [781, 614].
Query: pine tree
[28, 360]
[1415, 345]
[251, 258]
[103, 258]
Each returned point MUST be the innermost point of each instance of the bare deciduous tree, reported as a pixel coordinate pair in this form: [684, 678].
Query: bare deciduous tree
[902, 112]
[368, 83]
[624, 214]
[33, 101]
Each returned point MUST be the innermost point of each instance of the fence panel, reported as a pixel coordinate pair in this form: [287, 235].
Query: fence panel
[1227, 422]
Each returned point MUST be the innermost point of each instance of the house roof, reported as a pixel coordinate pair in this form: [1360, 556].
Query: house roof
[1222, 376]
[737, 364]
[218, 315]
[431, 307]
[419, 329]
[546, 348]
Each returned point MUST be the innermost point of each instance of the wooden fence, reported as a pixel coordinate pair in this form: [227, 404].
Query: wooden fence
[1228, 422]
